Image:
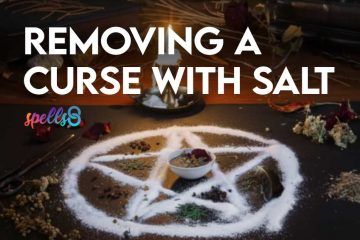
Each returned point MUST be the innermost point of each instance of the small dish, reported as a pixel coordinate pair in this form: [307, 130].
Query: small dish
[190, 172]
[186, 101]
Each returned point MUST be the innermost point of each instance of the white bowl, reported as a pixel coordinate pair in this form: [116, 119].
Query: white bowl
[190, 173]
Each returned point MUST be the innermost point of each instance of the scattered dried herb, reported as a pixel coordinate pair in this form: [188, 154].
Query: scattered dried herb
[132, 165]
[142, 146]
[73, 235]
[112, 193]
[215, 195]
[195, 213]
[313, 127]
[28, 214]
[342, 135]
[26, 224]
[346, 186]
[316, 128]
[127, 234]
[196, 158]
[257, 185]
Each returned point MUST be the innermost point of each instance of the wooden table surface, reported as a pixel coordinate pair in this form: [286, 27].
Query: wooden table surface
[315, 216]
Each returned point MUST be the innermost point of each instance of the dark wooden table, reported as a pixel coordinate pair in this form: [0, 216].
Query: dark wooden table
[314, 217]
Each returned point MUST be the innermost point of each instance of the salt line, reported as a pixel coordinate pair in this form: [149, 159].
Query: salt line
[237, 172]
[271, 215]
[227, 210]
[230, 131]
[119, 157]
[215, 150]
[205, 186]
[220, 150]
[117, 175]
[194, 141]
[158, 173]
[235, 197]
[131, 181]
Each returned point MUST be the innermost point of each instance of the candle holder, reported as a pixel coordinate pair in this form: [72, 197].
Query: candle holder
[164, 63]
[167, 100]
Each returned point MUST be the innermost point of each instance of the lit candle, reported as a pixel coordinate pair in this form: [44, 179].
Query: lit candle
[166, 41]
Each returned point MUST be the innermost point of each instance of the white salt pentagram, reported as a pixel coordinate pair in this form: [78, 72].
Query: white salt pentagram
[236, 213]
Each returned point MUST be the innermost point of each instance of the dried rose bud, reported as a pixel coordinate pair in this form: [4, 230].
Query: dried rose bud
[43, 133]
[107, 128]
[97, 130]
[200, 153]
[345, 114]
[82, 123]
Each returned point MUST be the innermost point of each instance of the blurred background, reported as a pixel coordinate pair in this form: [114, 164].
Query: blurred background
[290, 33]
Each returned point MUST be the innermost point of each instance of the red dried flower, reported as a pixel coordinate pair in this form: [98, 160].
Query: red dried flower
[344, 114]
[97, 130]
[43, 133]
[290, 107]
[330, 120]
[82, 123]
[200, 153]
[107, 128]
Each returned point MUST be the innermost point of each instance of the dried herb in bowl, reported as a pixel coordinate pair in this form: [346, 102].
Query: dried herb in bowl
[195, 158]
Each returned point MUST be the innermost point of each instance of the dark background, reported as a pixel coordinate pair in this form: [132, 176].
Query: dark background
[314, 217]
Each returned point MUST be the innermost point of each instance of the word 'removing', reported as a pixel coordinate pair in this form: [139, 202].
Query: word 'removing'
[65, 41]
